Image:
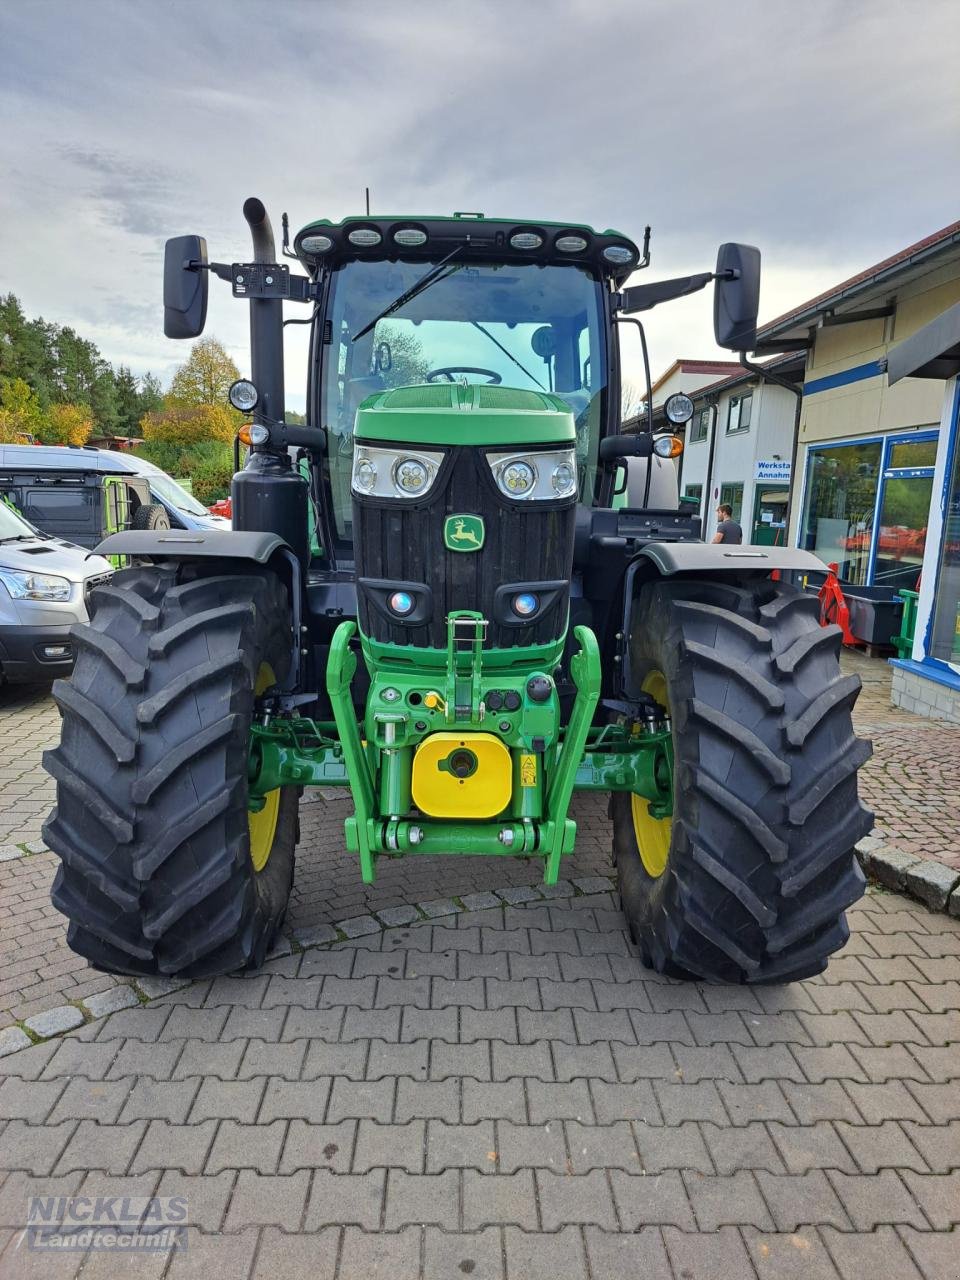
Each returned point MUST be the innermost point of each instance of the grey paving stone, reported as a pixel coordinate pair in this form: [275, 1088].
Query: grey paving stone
[621, 1102]
[174, 1146]
[213, 1255]
[477, 1254]
[934, 1253]
[352, 1199]
[499, 1199]
[519, 1146]
[206, 1197]
[160, 1100]
[268, 1200]
[315, 1146]
[390, 1059]
[393, 916]
[247, 1146]
[882, 1146]
[396, 1255]
[358, 926]
[316, 935]
[201, 1058]
[12, 1039]
[665, 1149]
[228, 1100]
[82, 1099]
[938, 1145]
[548, 1102]
[391, 1146]
[708, 1255]
[111, 1000]
[10, 852]
[876, 1253]
[816, 1146]
[750, 1147]
[461, 1146]
[33, 1148]
[616, 1256]
[889, 865]
[938, 1196]
[53, 1021]
[419, 1199]
[479, 901]
[355, 1100]
[871, 1200]
[427, 1100]
[932, 882]
[796, 1255]
[437, 907]
[593, 884]
[798, 1199]
[516, 894]
[261, 1058]
[282, 1255]
[152, 987]
[583, 1198]
[74, 1057]
[657, 1200]
[300, 1099]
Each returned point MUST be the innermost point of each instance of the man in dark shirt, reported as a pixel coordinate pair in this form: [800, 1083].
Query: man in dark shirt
[727, 528]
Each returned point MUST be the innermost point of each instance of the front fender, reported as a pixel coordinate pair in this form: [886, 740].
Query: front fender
[721, 557]
[192, 544]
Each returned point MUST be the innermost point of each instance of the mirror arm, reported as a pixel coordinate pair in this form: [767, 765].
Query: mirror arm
[222, 270]
[644, 296]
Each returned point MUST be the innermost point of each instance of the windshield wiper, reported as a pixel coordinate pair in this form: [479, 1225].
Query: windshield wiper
[21, 537]
[430, 277]
[509, 354]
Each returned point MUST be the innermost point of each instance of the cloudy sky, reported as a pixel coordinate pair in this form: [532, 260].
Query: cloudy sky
[824, 131]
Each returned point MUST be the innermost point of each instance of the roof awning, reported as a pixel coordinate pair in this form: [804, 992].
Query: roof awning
[931, 352]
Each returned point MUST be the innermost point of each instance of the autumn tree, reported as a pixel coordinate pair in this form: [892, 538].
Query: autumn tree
[66, 424]
[21, 417]
[206, 376]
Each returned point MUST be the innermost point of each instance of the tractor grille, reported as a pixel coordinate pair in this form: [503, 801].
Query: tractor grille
[402, 542]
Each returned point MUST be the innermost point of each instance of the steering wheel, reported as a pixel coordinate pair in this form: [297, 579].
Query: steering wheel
[493, 379]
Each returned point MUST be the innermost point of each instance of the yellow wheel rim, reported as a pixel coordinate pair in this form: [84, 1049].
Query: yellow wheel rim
[652, 834]
[263, 822]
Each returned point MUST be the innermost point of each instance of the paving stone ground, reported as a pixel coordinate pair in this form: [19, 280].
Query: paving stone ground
[503, 1092]
[506, 1093]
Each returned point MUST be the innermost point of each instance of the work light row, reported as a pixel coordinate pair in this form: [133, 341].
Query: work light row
[409, 473]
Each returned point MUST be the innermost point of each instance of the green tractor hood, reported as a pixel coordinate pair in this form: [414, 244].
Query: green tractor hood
[452, 413]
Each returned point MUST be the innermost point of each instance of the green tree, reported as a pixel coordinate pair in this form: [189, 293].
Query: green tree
[21, 418]
[205, 377]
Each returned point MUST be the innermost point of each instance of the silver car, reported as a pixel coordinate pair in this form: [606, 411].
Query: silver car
[44, 585]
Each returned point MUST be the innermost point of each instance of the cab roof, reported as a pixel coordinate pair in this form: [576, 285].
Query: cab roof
[479, 238]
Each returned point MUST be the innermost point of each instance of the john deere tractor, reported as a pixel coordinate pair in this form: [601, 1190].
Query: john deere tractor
[463, 592]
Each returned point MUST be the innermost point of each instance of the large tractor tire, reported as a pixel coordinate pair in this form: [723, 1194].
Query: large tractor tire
[163, 868]
[750, 878]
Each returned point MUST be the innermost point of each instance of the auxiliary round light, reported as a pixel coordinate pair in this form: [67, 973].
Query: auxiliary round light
[668, 447]
[619, 254]
[253, 433]
[563, 480]
[678, 408]
[243, 395]
[525, 605]
[410, 475]
[316, 244]
[365, 475]
[410, 237]
[364, 237]
[526, 240]
[401, 603]
[570, 244]
[517, 478]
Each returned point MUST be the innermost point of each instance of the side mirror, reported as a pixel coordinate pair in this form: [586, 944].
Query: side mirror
[184, 287]
[736, 298]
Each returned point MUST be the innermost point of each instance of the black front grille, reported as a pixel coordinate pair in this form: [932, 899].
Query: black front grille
[402, 542]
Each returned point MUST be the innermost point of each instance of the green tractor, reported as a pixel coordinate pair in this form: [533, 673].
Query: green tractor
[462, 592]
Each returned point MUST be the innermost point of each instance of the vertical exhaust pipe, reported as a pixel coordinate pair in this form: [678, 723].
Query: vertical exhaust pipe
[266, 323]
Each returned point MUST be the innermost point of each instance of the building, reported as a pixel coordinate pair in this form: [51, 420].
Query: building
[865, 454]
[927, 679]
[738, 448]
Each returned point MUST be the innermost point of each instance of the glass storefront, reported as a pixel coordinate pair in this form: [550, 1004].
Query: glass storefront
[945, 633]
[866, 506]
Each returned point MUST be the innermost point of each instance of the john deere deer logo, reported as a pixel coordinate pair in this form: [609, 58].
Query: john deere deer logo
[463, 533]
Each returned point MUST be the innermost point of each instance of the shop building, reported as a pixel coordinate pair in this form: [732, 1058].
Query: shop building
[865, 456]
[927, 680]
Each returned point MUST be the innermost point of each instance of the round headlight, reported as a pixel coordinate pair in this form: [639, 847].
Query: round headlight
[526, 240]
[258, 433]
[517, 478]
[410, 237]
[243, 395]
[563, 480]
[364, 476]
[410, 475]
[316, 244]
[401, 603]
[619, 254]
[525, 604]
[678, 407]
[570, 244]
[364, 237]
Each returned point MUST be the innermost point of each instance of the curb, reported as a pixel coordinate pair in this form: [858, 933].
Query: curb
[925, 879]
[54, 1023]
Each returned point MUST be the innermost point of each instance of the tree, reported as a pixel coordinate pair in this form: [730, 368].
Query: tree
[21, 418]
[206, 376]
[184, 425]
[66, 424]
[127, 394]
[407, 361]
[151, 394]
[633, 397]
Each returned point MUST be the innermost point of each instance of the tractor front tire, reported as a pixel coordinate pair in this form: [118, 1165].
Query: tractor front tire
[163, 869]
[750, 879]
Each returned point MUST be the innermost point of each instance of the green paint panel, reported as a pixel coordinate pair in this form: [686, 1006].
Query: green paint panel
[465, 415]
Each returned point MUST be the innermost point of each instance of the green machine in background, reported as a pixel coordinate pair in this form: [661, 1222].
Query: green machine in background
[462, 592]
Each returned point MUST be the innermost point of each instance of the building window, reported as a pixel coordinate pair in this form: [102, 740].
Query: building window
[841, 495]
[693, 492]
[700, 425]
[731, 495]
[945, 632]
[739, 409]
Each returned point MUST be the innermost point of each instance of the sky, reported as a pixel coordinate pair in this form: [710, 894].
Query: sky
[825, 132]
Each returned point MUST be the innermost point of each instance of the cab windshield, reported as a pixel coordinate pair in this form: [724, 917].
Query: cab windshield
[537, 327]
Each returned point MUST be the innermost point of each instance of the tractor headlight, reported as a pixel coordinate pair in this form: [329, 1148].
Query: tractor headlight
[535, 476]
[393, 473]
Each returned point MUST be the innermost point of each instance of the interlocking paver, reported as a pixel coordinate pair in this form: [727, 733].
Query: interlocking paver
[492, 1199]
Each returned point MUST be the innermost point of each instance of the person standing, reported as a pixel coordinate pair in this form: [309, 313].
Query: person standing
[727, 528]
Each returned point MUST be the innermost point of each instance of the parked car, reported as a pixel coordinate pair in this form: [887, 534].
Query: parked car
[44, 586]
[183, 511]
